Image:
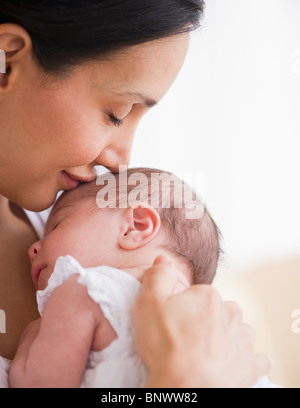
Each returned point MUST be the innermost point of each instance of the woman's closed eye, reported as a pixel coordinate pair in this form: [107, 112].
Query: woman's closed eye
[115, 121]
[117, 115]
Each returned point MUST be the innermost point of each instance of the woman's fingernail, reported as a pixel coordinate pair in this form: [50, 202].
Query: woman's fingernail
[162, 260]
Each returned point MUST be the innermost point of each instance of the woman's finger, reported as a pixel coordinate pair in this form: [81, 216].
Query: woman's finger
[159, 281]
[262, 366]
[249, 332]
[234, 312]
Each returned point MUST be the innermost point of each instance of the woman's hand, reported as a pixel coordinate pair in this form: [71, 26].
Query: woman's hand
[193, 339]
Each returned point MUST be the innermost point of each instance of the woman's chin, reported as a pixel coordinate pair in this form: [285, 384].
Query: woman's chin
[38, 202]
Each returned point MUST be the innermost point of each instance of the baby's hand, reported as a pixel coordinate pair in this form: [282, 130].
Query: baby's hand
[16, 375]
[31, 331]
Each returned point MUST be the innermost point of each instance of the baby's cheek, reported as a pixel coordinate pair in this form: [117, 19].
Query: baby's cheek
[44, 278]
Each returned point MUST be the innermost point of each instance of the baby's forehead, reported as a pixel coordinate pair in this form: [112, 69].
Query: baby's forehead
[73, 199]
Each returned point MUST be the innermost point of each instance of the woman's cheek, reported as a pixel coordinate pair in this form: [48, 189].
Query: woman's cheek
[83, 148]
[73, 153]
[77, 140]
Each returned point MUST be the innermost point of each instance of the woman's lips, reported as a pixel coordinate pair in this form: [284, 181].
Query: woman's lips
[72, 181]
[35, 273]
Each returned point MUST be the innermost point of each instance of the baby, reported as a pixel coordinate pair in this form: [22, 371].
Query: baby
[99, 241]
[100, 238]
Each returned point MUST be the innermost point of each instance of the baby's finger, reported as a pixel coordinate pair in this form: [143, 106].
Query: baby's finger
[159, 281]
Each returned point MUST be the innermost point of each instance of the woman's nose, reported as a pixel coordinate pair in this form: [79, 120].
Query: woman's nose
[34, 250]
[117, 153]
[112, 160]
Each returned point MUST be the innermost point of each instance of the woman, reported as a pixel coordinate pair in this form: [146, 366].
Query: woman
[79, 77]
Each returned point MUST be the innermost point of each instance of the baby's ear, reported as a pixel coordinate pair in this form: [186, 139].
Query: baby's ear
[141, 225]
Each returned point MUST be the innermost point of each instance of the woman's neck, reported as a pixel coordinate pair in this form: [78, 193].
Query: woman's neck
[11, 216]
[5, 213]
[3, 200]
[17, 293]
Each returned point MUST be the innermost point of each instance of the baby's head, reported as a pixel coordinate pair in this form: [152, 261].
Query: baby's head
[125, 221]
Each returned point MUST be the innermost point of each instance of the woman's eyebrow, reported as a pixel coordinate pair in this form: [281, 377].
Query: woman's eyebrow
[149, 102]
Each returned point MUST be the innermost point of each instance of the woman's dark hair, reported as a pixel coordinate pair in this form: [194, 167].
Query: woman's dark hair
[67, 32]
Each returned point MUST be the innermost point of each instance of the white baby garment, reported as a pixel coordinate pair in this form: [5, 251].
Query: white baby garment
[115, 291]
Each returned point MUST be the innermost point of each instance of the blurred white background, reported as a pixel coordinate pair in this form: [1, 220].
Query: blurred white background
[234, 116]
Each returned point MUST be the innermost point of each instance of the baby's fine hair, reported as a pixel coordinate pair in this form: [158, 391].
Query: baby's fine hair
[191, 233]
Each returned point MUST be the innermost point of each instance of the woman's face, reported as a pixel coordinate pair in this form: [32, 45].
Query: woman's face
[52, 128]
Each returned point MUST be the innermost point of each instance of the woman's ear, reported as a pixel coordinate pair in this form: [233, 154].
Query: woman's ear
[16, 43]
[141, 225]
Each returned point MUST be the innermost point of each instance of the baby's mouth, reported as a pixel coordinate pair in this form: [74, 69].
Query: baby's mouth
[35, 273]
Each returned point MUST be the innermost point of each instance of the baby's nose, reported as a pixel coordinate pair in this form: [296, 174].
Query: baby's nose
[34, 250]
